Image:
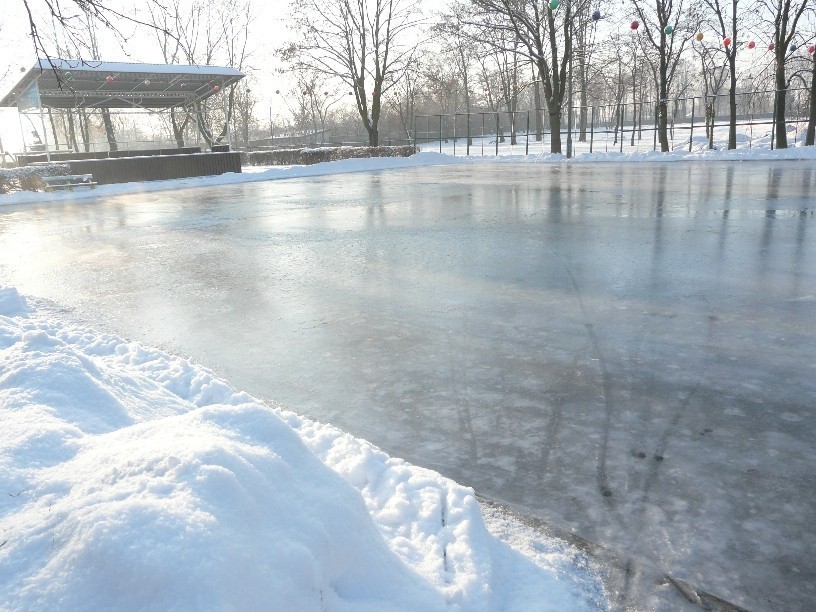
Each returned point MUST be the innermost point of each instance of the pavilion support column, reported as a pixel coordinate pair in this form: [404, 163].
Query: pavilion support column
[198, 127]
[42, 123]
[22, 131]
[227, 119]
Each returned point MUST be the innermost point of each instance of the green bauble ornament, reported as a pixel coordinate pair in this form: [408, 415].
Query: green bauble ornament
[668, 30]
[554, 4]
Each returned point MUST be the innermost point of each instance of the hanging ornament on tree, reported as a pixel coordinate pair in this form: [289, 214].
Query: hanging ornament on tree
[277, 91]
[554, 4]
[183, 85]
[374, 94]
[147, 81]
[325, 93]
[771, 47]
[727, 42]
[69, 75]
[351, 93]
[634, 25]
[596, 15]
[751, 44]
[109, 79]
[216, 88]
[699, 36]
[668, 30]
[811, 49]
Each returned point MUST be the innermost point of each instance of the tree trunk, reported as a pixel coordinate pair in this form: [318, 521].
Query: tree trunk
[582, 117]
[537, 104]
[85, 130]
[732, 101]
[178, 128]
[106, 119]
[72, 132]
[811, 128]
[663, 102]
[780, 99]
[53, 129]
[555, 132]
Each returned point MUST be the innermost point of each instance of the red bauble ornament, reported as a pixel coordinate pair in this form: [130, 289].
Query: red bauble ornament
[109, 79]
[727, 41]
[635, 25]
[751, 44]
[811, 49]
[216, 89]
[771, 47]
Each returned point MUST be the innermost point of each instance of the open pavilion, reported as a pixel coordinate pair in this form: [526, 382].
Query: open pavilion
[73, 85]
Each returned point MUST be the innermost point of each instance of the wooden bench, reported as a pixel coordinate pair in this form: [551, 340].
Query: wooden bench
[69, 181]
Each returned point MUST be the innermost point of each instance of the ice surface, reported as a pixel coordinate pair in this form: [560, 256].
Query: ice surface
[623, 350]
[138, 480]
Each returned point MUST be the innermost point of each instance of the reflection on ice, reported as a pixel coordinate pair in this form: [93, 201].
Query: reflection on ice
[624, 351]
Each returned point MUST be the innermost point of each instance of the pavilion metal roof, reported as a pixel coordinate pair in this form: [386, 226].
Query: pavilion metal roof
[98, 84]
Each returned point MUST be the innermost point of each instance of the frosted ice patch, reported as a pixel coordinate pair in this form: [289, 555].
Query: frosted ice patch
[12, 304]
[790, 417]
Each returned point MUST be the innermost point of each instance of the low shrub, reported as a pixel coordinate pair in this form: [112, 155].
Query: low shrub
[305, 157]
[29, 178]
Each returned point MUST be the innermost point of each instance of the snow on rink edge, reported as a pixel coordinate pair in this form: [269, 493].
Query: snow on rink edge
[135, 479]
[253, 174]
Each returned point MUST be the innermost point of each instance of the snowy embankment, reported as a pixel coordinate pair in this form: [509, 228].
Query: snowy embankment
[133, 479]
[253, 174]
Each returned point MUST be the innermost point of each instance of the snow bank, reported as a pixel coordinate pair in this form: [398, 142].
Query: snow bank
[251, 174]
[135, 479]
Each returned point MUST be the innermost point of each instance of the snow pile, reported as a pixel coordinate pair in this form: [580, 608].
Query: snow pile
[134, 479]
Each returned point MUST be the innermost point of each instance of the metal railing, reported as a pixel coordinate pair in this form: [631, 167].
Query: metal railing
[692, 123]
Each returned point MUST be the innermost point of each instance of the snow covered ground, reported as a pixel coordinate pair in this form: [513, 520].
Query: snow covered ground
[137, 480]
[747, 149]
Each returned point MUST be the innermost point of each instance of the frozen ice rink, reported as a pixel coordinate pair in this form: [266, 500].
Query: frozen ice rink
[626, 351]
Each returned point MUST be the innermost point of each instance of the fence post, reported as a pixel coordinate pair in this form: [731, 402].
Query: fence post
[467, 146]
[483, 133]
[773, 121]
[440, 133]
[454, 134]
[497, 133]
[591, 129]
[527, 136]
[622, 121]
[691, 132]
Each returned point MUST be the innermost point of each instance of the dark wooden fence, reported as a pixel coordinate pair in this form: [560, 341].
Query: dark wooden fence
[156, 168]
[58, 156]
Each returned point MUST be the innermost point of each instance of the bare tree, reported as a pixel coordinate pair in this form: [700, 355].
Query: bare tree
[205, 32]
[726, 15]
[366, 44]
[783, 16]
[545, 35]
[810, 138]
[665, 37]
[72, 16]
[458, 45]
[713, 72]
